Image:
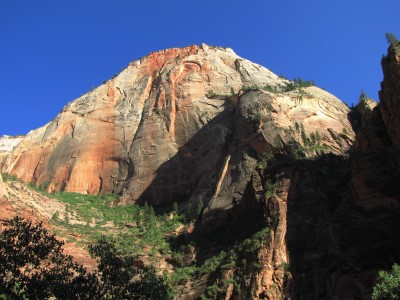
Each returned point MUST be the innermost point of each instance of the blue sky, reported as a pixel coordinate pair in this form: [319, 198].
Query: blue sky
[51, 52]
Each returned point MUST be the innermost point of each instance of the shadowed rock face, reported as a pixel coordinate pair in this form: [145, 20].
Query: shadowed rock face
[343, 214]
[389, 94]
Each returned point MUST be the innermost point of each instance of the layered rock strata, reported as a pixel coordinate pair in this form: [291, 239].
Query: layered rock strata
[200, 125]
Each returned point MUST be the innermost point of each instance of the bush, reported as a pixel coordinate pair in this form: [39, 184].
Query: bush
[120, 279]
[303, 83]
[298, 84]
[388, 285]
[33, 266]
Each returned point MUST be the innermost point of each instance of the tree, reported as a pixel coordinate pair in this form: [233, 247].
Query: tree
[120, 279]
[33, 265]
[388, 285]
[297, 126]
[305, 139]
[363, 96]
[391, 39]
[313, 138]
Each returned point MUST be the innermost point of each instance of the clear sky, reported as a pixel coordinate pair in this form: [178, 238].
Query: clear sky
[51, 52]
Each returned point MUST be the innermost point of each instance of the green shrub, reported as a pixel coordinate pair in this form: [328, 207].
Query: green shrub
[388, 285]
[212, 95]
[242, 257]
[303, 83]
[9, 178]
[270, 189]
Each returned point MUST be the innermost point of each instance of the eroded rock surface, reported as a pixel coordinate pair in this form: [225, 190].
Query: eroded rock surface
[177, 104]
[7, 144]
[200, 125]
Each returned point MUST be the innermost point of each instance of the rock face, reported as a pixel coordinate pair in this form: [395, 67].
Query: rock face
[199, 126]
[389, 94]
[172, 110]
[110, 135]
[7, 144]
[205, 128]
[343, 212]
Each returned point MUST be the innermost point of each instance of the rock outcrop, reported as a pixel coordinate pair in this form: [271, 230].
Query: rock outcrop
[7, 144]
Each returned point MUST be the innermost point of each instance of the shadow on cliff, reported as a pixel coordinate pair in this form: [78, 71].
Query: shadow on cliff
[194, 168]
[343, 211]
[343, 217]
[193, 177]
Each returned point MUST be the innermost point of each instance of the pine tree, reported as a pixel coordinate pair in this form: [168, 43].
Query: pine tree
[297, 126]
[304, 138]
[391, 39]
[363, 96]
[313, 138]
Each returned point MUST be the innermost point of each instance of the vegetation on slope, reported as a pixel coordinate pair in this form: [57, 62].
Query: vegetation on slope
[388, 285]
[162, 241]
[35, 267]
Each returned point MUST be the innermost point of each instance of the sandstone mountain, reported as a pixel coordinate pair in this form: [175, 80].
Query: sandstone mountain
[240, 149]
[178, 106]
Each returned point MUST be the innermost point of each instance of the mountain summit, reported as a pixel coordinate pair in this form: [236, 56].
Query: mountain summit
[118, 137]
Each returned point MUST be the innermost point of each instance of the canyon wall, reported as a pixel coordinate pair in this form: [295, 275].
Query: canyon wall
[200, 125]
